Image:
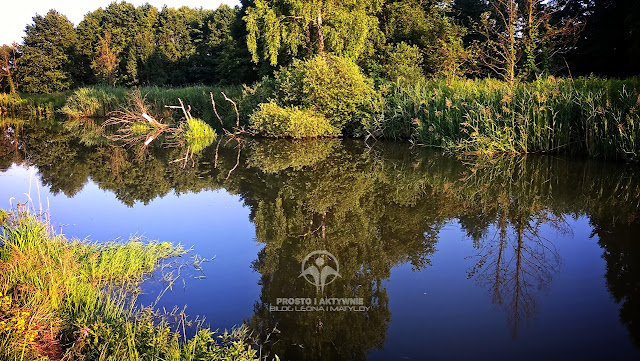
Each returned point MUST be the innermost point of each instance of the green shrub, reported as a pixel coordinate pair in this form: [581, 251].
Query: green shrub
[271, 120]
[331, 86]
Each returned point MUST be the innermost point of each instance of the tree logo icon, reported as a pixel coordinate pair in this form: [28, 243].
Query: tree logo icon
[318, 266]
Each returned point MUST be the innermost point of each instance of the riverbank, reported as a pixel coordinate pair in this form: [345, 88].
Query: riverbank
[594, 117]
[63, 299]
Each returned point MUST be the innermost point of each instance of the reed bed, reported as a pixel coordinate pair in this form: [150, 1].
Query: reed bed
[595, 117]
[98, 101]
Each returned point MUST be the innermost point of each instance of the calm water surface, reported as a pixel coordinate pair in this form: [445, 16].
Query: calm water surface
[526, 258]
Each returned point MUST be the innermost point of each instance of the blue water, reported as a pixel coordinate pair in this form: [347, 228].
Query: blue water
[553, 302]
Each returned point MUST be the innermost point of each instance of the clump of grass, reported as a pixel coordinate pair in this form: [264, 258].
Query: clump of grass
[197, 134]
[95, 101]
[73, 300]
[35, 106]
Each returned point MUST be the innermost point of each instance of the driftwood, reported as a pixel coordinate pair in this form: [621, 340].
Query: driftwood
[238, 130]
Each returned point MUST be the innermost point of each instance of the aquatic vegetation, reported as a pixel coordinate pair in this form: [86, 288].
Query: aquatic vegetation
[73, 299]
[96, 101]
[99, 101]
[34, 105]
[596, 117]
[197, 134]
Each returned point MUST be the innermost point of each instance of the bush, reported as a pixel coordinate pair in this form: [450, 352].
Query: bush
[331, 86]
[198, 134]
[271, 120]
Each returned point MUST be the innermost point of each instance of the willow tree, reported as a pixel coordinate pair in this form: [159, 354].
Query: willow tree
[285, 27]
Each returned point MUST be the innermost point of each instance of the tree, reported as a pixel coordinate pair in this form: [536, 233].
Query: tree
[286, 28]
[521, 38]
[49, 44]
[132, 38]
[105, 64]
[500, 51]
[427, 25]
[8, 55]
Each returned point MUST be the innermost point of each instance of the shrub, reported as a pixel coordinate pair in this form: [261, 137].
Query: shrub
[198, 134]
[331, 86]
[271, 120]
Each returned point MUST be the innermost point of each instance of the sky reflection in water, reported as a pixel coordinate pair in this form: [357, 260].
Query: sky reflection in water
[459, 259]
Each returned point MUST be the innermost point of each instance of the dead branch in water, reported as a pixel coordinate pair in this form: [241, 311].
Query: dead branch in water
[239, 146]
[238, 130]
[234, 107]
[213, 103]
[134, 124]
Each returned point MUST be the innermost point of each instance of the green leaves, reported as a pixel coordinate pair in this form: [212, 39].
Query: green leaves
[46, 63]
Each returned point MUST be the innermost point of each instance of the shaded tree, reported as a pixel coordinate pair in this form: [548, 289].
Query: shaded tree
[8, 56]
[46, 62]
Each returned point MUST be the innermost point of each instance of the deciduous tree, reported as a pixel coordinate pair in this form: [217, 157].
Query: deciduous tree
[8, 55]
[49, 43]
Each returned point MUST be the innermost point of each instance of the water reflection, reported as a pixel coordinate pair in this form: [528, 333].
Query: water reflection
[375, 207]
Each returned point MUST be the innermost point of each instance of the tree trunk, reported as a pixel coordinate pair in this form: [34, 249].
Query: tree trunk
[512, 16]
[320, 33]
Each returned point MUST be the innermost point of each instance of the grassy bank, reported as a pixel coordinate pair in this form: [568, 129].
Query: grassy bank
[32, 105]
[63, 299]
[593, 117]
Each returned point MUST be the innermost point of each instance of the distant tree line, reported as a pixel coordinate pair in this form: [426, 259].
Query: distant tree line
[405, 40]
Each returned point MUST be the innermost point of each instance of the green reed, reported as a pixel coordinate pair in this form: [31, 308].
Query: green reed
[586, 116]
[98, 101]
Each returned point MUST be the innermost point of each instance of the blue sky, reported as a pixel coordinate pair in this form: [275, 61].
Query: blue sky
[17, 14]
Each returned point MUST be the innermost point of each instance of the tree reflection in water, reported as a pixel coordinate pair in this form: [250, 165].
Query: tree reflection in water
[374, 207]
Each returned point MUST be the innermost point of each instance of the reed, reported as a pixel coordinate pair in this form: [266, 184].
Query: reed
[98, 101]
[34, 106]
[586, 116]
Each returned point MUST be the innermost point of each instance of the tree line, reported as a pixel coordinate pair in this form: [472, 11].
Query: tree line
[405, 40]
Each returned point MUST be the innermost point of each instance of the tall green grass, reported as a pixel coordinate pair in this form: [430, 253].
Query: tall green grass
[62, 299]
[36, 105]
[587, 116]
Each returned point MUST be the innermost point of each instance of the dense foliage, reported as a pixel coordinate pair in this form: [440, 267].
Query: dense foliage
[126, 45]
